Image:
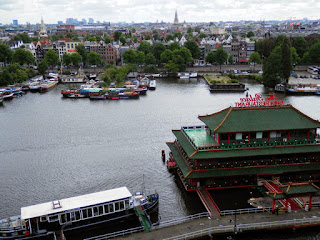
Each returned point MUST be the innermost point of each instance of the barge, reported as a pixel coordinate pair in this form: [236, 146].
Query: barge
[84, 212]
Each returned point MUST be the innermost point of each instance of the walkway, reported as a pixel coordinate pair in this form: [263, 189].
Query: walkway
[226, 223]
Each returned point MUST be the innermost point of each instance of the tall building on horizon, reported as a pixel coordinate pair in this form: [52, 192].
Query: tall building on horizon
[43, 32]
[15, 22]
[175, 25]
[91, 20]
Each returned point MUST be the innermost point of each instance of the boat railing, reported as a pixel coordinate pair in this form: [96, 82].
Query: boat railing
[117, 234]
[258, 144]
[176, 221]
[245, 211]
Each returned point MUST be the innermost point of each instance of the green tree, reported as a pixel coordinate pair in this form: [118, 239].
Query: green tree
[5, 53]
[271, 68]
[194, 49]
[117, 35]
[24, 37]
[129, 56]
[144, 47]
[294, 55]
[171, 67]
[255, 59]
[314, 53]
[107, 39]
[81, 49]
[6, 77]
[42, 67]
[76, 59]
[202, 35]
[51, 57]
[197, 29]
[173, 46]
[123, 40]
[94, 58]
[221, 56]
[306, 58]
[150, 59]
[211, 57]
[177, 35]
[66, 59]
[169, 37]
[140, 58]
[157, 49]
[286, 59]
[301, 45]
[279, 40]
[22, 56]
[250, 34]
[166, 56]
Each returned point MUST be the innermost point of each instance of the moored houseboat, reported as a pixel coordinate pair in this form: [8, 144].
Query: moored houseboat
[47, 85]
[72, 93]
[81, 212]
[153, 85]
[144, 82]
[303, 89]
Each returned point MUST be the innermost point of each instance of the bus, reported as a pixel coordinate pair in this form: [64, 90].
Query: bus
[313, 70]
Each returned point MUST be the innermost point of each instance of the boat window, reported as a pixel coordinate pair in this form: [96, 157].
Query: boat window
[117, 206]
[43, 218]
[53, 218]
[121, 205]
[84, 213]
[238, 136]
[258, 135]
[111, 208]
[63, 218]
[100, 210]
[127, 203]
[73, 216]
[106, 208]
[68, 217]
[77, 215]
[89, 212]
[95, 211]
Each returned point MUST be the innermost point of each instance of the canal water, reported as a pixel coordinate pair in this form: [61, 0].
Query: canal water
[53, 148]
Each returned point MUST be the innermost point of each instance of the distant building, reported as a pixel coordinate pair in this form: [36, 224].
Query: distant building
[60, 22]
[43, 32]
[15, 22]
[91, 20]
[175, 25]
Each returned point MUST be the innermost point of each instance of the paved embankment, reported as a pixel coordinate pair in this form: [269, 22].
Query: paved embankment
[246, 222]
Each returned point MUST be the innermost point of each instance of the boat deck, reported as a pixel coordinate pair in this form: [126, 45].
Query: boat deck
[200, 137]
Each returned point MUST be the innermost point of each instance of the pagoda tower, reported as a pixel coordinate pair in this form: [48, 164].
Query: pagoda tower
[43, 32]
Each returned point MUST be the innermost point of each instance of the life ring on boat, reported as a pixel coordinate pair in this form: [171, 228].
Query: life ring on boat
[27, 233]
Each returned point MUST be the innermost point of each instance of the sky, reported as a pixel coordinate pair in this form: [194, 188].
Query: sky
[156, 10]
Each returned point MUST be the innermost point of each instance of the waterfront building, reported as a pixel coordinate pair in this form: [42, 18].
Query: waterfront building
[248, 146]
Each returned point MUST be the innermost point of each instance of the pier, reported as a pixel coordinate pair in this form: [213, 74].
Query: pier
[201, 225]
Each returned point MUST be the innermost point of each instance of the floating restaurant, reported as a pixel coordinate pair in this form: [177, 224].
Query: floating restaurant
[261, 142]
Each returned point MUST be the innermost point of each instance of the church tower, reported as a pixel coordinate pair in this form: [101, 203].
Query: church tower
[43, 32]
[175, 25]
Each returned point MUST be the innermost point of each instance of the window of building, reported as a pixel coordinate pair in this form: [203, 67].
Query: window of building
[259, 135]
[238, 136]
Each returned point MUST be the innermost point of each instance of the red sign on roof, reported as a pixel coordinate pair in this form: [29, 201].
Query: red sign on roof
[259, 101]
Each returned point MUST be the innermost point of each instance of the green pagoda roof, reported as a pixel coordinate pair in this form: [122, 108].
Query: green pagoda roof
[255, 119]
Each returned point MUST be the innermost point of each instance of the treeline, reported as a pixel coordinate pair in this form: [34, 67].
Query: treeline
[173, 57]
[280, 55]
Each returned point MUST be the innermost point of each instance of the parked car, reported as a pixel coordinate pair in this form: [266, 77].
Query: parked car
[260, 72]
[245, 73]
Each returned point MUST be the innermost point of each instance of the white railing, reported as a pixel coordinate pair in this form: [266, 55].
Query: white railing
[116, 234]
[246, 227]
[178, 220]
[245, 210]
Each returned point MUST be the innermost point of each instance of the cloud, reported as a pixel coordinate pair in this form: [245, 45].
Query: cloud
[153, 10]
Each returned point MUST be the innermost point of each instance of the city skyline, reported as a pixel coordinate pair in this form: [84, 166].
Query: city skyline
[162, 10]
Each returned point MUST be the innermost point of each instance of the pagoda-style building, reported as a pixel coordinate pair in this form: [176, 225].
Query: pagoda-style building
[248, 146]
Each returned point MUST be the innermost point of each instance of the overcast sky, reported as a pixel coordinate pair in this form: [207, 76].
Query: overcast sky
[153, 10]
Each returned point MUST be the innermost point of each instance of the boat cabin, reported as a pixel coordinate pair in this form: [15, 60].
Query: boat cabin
[49, 215]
